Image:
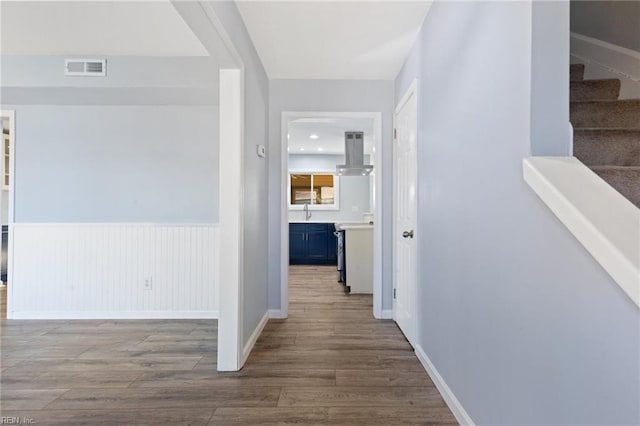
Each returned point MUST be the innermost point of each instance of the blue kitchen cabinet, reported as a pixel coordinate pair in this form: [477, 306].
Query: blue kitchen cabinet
[297, 241]
[312, 244]
[317, 244]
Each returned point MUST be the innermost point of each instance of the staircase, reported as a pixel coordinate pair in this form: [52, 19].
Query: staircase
[606, 132]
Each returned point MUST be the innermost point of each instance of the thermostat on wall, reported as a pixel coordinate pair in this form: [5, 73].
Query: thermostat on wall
[262, 151]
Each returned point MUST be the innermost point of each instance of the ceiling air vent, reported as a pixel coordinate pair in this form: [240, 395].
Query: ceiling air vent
[85, 67]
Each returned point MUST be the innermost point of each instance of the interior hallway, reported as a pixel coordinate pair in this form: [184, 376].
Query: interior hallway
[329, 363]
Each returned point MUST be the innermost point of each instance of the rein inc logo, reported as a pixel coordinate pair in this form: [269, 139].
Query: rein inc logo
[5, 420]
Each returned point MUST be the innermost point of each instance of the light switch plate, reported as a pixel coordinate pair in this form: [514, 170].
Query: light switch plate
[262, 151]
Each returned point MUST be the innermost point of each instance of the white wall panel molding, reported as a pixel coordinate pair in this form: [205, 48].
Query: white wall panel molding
[95, 270]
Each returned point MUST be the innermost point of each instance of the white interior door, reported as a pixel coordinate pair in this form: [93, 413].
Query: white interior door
[405, 213]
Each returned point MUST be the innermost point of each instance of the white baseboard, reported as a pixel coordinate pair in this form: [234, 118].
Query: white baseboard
[254, 338]
[452, 402]
[276, 314]
[97, 315]
[387, 314]
[606, 60]
[570, 138]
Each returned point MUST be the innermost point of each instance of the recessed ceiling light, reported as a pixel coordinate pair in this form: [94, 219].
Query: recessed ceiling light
[320, 149]
[288, 136]
[301, 149]
[288, 149]
[314, 136]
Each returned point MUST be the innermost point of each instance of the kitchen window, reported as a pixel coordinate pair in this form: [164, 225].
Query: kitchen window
[318, 190]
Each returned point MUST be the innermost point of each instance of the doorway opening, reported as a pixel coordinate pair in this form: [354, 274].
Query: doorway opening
[7, 119]
[331, 184]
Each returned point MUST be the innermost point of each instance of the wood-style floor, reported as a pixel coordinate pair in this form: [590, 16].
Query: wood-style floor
[329, 363]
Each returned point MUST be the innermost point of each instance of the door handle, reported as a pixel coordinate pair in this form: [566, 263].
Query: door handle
[408, 234]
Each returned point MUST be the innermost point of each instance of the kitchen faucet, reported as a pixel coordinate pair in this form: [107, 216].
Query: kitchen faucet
[307, 213]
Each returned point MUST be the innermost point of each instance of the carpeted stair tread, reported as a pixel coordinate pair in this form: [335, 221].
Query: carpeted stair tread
[606, 133]
[607, 147]
[586, 90]
[576, 72]
[618, 113]
[625, 180]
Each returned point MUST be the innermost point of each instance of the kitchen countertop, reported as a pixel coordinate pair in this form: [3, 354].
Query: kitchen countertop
[329, 221]
[355, 226]
[310, 221]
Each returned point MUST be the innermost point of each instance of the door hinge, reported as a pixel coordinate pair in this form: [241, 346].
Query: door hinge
[394, 293]
[395, 133]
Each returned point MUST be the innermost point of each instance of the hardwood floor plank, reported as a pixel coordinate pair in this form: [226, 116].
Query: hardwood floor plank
[334, 359]
[382, 378]
[245, 377]
[350, 342]
[105, 364]
[392, 415]
[203, 396]
[44, 352]
[76, 380]
[28, 399]
[173, 417]
[153, 349]
[270, 416]
[182, 338]
[350, 396]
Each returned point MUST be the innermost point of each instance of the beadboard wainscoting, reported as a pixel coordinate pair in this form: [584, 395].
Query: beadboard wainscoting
[120, 270]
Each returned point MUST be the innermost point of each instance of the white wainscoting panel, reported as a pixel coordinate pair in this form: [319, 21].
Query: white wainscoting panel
[99, 271]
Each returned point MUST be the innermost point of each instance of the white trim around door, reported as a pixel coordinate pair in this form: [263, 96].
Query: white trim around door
[288, 116]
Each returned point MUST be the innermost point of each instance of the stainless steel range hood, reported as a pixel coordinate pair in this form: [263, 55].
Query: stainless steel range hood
[354, 156]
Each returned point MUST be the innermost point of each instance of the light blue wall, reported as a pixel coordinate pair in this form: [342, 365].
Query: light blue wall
[256, 190]
[521, 322]
[327, 96]
[551, 132]
[154, 164]
[140, 145]
[354, 191]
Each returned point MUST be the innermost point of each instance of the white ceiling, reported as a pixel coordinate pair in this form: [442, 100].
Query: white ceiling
[333, 39]
[330, 132]
[112, 28]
